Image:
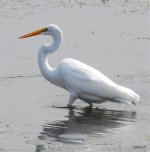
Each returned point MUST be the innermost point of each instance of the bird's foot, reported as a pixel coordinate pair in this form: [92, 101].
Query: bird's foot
[88, 109]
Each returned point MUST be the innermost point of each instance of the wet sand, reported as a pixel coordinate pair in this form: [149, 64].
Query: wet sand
[112, 36]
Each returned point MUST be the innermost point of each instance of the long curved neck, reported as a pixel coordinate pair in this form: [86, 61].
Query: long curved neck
[47, 71]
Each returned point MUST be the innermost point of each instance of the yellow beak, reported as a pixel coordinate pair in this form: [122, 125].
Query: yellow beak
[37, 32]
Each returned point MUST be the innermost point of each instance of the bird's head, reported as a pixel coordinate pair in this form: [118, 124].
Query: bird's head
[51, 29]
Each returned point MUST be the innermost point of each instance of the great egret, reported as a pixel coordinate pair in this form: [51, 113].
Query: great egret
[82, 81]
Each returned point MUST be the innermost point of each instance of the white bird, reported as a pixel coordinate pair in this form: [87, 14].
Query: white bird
[82, 81]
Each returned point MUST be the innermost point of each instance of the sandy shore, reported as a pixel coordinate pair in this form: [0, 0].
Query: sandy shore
[112, 36]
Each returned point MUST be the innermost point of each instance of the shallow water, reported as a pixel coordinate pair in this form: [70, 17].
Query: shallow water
[33, 116]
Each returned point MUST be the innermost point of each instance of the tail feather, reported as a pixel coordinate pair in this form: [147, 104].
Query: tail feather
[128, 96]
[135, 100]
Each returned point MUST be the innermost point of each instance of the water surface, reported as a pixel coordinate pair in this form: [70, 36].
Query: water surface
[112, 36]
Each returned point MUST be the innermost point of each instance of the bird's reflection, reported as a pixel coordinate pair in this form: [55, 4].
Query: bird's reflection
[81, 123]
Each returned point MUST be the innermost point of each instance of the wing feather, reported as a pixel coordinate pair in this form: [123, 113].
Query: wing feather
[82, 78]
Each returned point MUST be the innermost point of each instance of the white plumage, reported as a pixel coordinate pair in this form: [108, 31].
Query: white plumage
[81, 80]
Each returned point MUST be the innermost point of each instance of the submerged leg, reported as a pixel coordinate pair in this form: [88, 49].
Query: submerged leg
[72, 98]
[90, 105]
